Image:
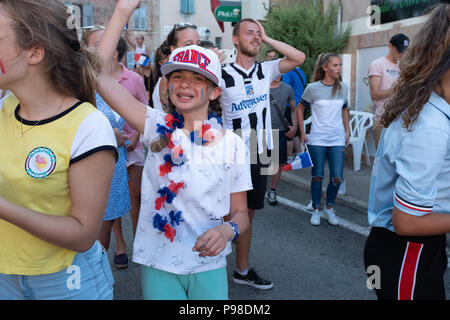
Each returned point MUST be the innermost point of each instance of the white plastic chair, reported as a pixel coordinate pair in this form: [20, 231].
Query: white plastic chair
[306, 122]
[360, 122]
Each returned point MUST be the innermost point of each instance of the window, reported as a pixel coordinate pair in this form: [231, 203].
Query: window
[88, 14]
[140, 18]
[83, 13]
[187, 6]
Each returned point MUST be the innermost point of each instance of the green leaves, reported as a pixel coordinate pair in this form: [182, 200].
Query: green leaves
[308, 28]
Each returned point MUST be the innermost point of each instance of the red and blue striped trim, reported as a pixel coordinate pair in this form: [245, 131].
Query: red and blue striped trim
[412, 206]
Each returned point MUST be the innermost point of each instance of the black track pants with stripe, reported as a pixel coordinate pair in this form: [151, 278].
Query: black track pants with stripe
[411, 268]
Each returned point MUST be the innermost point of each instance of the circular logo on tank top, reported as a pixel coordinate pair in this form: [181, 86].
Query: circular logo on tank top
[40, 163]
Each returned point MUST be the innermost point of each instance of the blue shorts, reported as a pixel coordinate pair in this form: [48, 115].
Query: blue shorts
[88, 278]
[161, 285]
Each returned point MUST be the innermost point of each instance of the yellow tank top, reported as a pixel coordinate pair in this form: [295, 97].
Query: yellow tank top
[34, 174]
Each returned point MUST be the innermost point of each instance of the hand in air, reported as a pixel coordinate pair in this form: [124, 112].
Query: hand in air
[128, 5]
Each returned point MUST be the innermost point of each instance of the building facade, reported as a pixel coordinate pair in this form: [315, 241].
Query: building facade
[156, 18]
[373, 23]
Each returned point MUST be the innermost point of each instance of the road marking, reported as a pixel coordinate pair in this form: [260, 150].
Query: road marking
[342, 222]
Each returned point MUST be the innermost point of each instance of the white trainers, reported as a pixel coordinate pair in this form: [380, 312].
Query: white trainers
[315, 218]
[310, 207]
[342, 188]
[331, 216]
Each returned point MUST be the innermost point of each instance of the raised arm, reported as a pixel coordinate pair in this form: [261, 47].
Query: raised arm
[293, 57]
[111, 91]
[130, 41]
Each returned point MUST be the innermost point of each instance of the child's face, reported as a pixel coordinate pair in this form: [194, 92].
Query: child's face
[190, 91]
[13, 62]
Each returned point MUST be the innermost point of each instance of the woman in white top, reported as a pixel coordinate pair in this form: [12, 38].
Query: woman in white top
[194, 176]
[330, 133]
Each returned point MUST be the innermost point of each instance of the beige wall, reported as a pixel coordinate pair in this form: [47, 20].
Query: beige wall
[363, 36]
[203, 18]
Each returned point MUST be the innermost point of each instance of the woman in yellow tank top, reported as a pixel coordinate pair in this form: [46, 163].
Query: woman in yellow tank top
[56, 172]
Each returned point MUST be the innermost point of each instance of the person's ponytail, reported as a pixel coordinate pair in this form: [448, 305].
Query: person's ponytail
[90, 66]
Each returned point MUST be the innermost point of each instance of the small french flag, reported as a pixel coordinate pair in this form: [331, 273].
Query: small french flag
[301, 161]
[141, 59]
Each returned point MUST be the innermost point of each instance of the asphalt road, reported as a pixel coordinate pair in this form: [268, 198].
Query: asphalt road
[303, 261]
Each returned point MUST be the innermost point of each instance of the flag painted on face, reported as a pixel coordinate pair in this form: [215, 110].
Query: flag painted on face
[141, 59]
[303, 160]
[2, 68]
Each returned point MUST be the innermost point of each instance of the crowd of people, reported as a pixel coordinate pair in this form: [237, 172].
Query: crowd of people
[186, 145]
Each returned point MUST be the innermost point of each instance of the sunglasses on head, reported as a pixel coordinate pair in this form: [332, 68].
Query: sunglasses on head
[183, 25]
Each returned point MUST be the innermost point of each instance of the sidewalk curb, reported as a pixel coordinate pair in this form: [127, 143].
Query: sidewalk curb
[346, 200]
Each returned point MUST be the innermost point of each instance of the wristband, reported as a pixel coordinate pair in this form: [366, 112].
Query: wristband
[236, 229]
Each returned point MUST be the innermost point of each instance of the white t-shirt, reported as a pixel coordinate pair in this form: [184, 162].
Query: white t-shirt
[156, 98]
[141, 50]
[246, 102]
[210, 175]
[327, 128]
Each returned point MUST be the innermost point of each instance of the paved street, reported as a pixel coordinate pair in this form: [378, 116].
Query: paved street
[303, 261]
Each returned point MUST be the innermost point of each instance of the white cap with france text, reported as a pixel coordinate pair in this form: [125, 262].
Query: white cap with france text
[197, 59]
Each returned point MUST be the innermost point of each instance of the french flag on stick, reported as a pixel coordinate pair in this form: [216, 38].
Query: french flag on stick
[141, 59]
[301, 161]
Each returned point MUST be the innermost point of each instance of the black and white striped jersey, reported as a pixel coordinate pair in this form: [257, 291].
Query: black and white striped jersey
[245, 100]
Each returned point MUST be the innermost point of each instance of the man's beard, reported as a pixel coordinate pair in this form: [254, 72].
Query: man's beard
[246, 51]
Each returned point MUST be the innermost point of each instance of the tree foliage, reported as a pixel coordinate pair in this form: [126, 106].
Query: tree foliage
[308, 28]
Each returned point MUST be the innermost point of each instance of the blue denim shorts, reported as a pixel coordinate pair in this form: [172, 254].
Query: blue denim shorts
[88, 278]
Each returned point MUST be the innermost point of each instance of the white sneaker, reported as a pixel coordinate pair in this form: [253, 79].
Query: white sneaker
[342, 188]
[331, 216]
[310, 207]
[315, 218]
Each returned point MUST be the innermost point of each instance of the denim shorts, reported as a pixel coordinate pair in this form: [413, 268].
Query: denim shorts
[88, 278]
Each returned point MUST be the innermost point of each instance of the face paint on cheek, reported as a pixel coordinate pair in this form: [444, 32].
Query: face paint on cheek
[2, 68]
[171, 89]
[201, 93]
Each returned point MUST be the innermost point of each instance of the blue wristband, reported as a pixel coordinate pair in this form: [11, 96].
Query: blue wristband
[236, 229]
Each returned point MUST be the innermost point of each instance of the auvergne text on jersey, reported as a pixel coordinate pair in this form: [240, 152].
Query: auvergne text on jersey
[247, 104]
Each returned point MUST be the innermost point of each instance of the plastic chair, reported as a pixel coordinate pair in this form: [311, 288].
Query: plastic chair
[360, 122]
[306, 122]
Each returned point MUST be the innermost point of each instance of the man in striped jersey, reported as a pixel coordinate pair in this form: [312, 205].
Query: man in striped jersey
[246, 109]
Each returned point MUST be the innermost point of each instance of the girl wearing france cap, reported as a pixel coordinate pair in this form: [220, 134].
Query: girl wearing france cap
[194, 176]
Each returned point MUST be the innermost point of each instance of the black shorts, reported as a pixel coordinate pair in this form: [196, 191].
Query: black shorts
[255, 197]
[409, 267]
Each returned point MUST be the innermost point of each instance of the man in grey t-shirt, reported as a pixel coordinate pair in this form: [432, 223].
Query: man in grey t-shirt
[281, 95]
